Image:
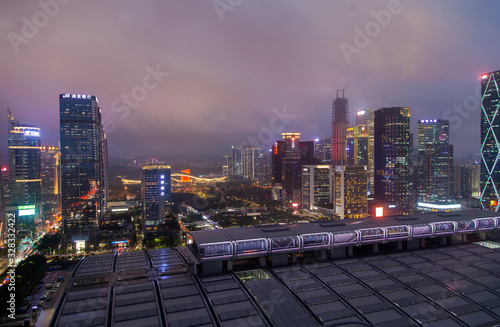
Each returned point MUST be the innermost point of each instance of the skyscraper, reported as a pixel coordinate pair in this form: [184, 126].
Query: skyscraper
[350, 196]
[366, 118]
[357, 145]
[5, 181]
[24, 170]
[51, 179]
[490, 144]
[156, 195]
[288, 156]
[265, 164]
[251, 163]
[323, 150]
[392, 156]
[82, 169]
[317, 186]
[105, 171]
[237, 166]
[3, 221]
[435, 161]
[340, 122]
[225, 166]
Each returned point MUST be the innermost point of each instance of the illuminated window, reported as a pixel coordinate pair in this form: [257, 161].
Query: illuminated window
[162, 176]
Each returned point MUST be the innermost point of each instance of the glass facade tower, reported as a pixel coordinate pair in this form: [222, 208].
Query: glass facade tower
[156, 194]
[82, 169]
[24, 170]
[435, 161]
[392, 159]
[490, 141]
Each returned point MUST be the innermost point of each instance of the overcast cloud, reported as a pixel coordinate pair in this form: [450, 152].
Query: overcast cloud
[226, 75]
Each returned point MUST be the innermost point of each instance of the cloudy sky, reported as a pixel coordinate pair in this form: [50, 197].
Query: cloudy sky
[190, 78]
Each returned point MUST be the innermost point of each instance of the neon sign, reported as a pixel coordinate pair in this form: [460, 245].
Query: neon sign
[29, 132]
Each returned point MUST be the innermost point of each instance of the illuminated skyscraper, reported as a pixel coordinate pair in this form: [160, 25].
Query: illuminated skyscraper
[51, 179]
[24, 170]
[82, 169]
[251, 163]
[366, 118]
[392, 159]
[490, 141]
[357, 145]
[288, 156]
[323, 150]
[237, 167]
[3, 221]
[435, 161]
[225, 166]
[350, 197]
[340, 122]
[156, 196]
[317, 187]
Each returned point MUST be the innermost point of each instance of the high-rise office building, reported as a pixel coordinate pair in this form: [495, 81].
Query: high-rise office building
[366, 118]
[392, 158]
[340, 122]
[237, 158]
[357, 145]
[156, 196]
[350, 196]
[5, 186]
[105, 171]
[435, 161]
[3, 221]
[82, 169]
[323, 150]
[51, 179]
[24, 170]
[466, 181]
[490, 144]
[288, 156]
[251, 163]
[225, 166]
[265, 167]
[317, 186]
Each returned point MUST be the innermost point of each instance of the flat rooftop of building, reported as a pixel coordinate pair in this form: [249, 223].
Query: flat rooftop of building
[277, 230]
[455, 285]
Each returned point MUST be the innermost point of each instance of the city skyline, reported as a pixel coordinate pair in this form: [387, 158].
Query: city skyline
[229, 77]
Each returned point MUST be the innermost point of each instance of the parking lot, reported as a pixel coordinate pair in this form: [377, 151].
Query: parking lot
[48, 289]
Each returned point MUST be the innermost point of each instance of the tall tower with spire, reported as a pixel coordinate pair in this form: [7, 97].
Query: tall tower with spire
[340, 122]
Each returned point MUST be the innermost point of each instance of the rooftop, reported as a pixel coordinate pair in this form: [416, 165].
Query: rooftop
[455, 285]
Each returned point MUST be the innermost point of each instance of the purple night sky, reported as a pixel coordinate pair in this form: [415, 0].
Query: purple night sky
[226, 64]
